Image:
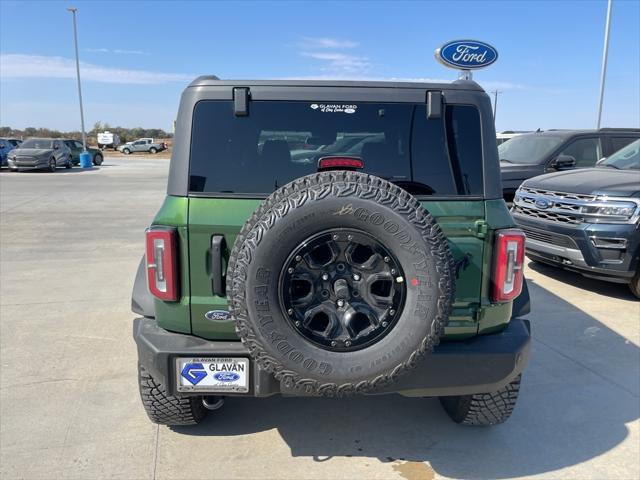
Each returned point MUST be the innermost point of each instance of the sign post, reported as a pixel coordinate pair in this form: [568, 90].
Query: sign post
[605, 55]
[466, 56]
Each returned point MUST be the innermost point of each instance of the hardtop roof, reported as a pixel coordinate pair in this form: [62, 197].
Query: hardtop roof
[212, 80]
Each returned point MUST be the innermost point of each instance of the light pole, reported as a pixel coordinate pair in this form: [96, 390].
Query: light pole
[495, 103]
[73, 11]
[605, 56]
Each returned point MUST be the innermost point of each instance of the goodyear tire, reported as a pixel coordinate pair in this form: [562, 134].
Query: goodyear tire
[384, 276]
[165, 409]
[483, 409]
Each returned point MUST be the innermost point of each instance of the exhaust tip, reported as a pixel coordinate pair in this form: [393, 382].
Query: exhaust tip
[213, 403]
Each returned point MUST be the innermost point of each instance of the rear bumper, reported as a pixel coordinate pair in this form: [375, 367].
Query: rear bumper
[482, 364]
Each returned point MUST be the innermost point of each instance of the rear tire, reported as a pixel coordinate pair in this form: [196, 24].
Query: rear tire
[153, 150]
[166, 409]
[483, 409]
[69, 163]
[97, 160]
[634, 286]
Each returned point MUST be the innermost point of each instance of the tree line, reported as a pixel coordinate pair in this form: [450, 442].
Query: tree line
[125, 134]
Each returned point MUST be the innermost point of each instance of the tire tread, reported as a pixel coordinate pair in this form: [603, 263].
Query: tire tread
[166, 409]
[483, 409]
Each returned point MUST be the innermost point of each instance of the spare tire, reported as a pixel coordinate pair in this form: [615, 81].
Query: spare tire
[339, 283]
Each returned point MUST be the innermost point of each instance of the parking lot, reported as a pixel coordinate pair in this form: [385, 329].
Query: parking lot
[69, 405]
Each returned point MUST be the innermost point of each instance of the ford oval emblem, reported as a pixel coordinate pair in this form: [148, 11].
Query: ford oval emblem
[226, 376]
[466, 54]
[218, 315]
[543, 203]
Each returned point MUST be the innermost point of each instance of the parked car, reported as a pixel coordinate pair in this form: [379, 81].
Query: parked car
[508, 135]
[532, 154]
[264, 276]
[108, 140]
[586, 220]
[77, 148]
[6, 145]
[40, 153]
[143, 145]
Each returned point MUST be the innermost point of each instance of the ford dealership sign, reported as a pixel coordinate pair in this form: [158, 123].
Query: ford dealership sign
[466, 54]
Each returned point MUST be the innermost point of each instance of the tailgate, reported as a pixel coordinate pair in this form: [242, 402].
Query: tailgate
[209, 217]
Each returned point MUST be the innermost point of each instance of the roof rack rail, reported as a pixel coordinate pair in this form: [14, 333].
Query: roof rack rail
[610, 129]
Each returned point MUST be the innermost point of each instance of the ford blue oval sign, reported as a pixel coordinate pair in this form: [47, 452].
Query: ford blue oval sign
[226, 376]
[466, 54]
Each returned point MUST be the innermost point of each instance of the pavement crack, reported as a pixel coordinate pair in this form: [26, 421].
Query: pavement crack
[155, 453]
[98, 300]
[17, 385]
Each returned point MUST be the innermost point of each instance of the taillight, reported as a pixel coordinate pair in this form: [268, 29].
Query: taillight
[162, 265]
[508, 265]
[340, 162]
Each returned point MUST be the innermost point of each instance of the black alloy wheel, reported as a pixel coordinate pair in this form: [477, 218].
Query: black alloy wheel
[342, 289]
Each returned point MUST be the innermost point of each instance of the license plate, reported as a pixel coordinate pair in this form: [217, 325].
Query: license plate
[230, 375]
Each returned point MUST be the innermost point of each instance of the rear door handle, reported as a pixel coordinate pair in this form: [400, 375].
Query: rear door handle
[218, 247]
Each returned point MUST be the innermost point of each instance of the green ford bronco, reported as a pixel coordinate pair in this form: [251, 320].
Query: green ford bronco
[324, 238]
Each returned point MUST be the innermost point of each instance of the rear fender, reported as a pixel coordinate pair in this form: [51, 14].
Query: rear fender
[141, 299]
[522, 303]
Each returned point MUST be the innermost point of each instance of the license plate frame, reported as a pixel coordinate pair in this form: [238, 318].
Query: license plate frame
[229, 374]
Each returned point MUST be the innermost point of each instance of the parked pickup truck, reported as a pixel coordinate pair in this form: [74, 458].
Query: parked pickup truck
[142, 145]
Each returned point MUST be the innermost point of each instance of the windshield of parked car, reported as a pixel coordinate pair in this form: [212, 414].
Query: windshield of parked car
[528, 149]
[624, 159]
[37, 143]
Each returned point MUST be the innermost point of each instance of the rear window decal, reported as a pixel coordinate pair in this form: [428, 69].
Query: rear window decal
[334, 108]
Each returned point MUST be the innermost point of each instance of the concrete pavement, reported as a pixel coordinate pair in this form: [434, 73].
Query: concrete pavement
[69, 405]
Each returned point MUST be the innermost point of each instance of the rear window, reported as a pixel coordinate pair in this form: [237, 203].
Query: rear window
[281, 141]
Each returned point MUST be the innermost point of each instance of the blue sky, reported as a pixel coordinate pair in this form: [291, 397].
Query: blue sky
[138, 56]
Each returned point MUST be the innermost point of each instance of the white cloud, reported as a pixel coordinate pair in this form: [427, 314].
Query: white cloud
[315, 42]
[39, 66]
[340, 63]
[500, 85]
[117, 50]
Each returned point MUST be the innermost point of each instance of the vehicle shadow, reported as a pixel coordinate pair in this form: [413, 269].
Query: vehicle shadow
[579, 391]
[613, 290]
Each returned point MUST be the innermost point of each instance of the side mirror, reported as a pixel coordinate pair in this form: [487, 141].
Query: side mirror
[563, 162]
